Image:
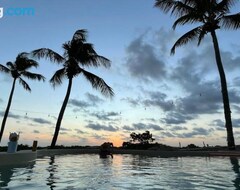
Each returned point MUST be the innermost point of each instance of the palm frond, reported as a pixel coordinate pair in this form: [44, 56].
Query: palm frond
[98, 83]
[23, 62]
[189, 18]
[33, 76]
[226, 4]
[58, 77]
[67, 47]
[95, 61]
[80, 35]
[22, 54]
[189, 36]
[11, 65]
[180, 8]
[24, 84]
[165, 5]
[86, 55]
[177, 8]
[4, 69]
[83, 52]
[222, 7]
[201, 36]
[99, 60]
[73, 48]
[231, 21]
[47, 54]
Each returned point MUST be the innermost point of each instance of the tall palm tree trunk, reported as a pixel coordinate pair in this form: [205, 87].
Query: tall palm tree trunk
[227, 110]
[7, 109]
[61, 113]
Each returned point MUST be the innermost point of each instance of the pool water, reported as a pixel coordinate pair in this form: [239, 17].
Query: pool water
[88, 171]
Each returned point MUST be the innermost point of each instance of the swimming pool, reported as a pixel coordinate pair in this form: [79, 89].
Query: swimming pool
[88, 171]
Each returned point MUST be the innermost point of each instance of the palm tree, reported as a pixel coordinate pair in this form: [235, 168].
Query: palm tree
[77, 55]
[212, 15]
[19, 69]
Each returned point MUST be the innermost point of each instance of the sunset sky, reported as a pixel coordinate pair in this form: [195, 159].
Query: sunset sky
[177, 98]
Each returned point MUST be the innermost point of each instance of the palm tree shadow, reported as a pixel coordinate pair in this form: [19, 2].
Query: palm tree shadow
[235, 167]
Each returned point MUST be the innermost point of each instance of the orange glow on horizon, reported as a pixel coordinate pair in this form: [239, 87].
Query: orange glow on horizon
[117, 142]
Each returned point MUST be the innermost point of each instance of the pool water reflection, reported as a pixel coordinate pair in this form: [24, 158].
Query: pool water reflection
[88, 171]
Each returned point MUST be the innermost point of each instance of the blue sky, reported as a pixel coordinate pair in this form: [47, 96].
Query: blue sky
[176, 97]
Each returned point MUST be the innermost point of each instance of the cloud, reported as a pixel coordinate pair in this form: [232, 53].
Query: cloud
[178, 128]
[83, 141]
[92, 100]
[142, 61]
[154, 127]
[204, 98]
[236, 81]
[106, 115]
[201, 92]
[95, 100]
[36, 120]
[167, 134]
[127, 128]
[79, 131]
[237, 108]
[163, 38]
[196, 132]
[151, 120]
[99, 127]
[193, 75]
[176, 118]
[230, 62]
[201, 102]
[10, 115]
[65, 129]
[36, 131]
[79, 104]
[203, 58]
[143, 126]
[99, 137]
[218, 124]
[131, 101]
[139, 126]
[63, 133]
[236, 123]
[198, 66]
[158, 99]
[40, 121]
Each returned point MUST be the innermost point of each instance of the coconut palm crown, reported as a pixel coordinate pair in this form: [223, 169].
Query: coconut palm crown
[19, 70]
[77, 55]
[208, 16]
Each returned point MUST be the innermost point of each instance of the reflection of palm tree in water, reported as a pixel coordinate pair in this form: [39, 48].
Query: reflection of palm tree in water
[235, 168]
[52, 170]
